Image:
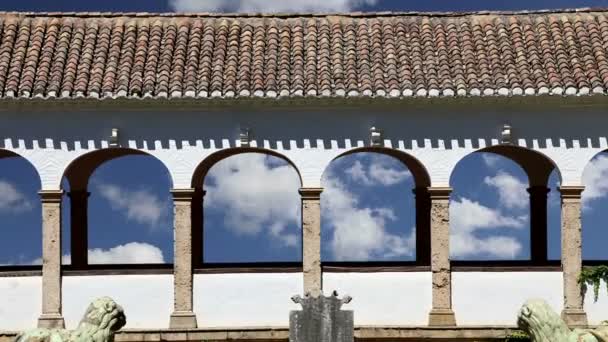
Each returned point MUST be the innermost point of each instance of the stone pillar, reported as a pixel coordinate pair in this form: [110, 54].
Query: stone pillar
[572, 259]
[311, 240]
[441, 313]
[79, 207]
[538, 223]
[51, 260]
[423, 226]
[183, 316]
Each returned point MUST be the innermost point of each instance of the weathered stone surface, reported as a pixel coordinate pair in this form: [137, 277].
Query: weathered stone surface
[101, 320]
[182, 316]
[51, 260]
[321, 320]
[311, 240]
[572, 260]
[266, 334]
[543, 324]
[441, 313]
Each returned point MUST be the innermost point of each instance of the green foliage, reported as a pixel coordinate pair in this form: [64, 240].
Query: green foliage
[518, 336]
[593, 276]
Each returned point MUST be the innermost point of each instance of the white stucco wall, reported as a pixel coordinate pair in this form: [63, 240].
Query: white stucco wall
[388, 298]
[263, 299]
[245, 299]
[438, 136]
[20, 302]
[597, 311]
[146, 299]
[494, 298]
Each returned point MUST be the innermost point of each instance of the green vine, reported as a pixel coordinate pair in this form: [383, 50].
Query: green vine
[593, 276]
[518, 336]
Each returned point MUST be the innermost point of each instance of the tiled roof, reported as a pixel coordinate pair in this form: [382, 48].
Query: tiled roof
[106, 55]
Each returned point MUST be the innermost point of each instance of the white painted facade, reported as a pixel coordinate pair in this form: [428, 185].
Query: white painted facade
[494, 298]
[385, 298]
[309, 137]
[263, 299]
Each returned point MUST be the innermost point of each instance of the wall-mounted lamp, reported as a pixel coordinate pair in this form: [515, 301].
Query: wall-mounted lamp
[505, 134]
[245, 137]
[114, 138]
[375, 137]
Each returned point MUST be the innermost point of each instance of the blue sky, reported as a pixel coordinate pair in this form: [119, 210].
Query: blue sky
[368, 205]
[268, 5]
[367, 211]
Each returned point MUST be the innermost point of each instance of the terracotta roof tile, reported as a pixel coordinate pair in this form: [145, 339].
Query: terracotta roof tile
[73, 55]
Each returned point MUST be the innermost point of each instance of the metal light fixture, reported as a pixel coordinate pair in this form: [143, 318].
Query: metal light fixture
[505, 134]
[245, 137]
[114, 138]
[375, 137]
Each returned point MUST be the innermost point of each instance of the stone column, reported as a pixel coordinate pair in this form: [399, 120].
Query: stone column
[183, 316]
[538, 223]
[79, 207]
[441, 313]
[311, 240]
[423, 226]
[51, 260]
[572, 259]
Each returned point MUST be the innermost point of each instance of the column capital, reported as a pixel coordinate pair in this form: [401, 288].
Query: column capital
[439, 192]
[78, 194]
[51, 196]
[420, 190]
[538, 190]
[571, 192]
[311, 193]
[186, 194]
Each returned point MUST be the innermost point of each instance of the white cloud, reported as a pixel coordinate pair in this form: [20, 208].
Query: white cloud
[360, 233]
[256, 195]
[12, 200]
[490, 159]
[267, 6]
[512, 192]
[129, 253]
[595, 179]
[379, 172]
[467, 217]
[141, 206]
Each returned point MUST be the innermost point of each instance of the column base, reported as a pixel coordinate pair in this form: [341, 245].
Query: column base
[575, 318]
[442, 318]
[51, 321]
[182, 320]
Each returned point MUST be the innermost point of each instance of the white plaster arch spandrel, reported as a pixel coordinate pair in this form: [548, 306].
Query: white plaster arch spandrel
[49, 160]
[570, 160]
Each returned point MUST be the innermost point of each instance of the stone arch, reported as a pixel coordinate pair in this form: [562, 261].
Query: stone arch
[5, 154]
[78, 174]
[422, 181]
[197, 183]
[536, 165]
[201, 170]
[538, 168]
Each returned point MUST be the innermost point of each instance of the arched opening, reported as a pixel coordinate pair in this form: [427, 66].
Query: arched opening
[120, 209]
[251, 209]
[594, 204]
[499, 206]
[375, 208]
[21, 242]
